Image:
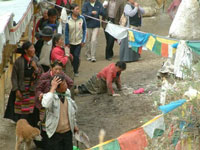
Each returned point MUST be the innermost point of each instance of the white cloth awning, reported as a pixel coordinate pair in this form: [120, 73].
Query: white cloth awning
[19, 11]
[5, 25]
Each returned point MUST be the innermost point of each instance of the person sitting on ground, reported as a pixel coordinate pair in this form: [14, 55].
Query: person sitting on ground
[43, 47]
[60, 122]
[102, 82]
[52, 20]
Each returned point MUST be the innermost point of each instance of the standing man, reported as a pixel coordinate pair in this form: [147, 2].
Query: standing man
[43, 47]
[114, 10]
[94, 9]
[75, 35]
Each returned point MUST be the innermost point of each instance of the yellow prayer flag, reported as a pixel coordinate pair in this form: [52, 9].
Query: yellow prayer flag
[183, 110]
[131, 36]
[150, 43]
[174, 50]
[189, 143]
[166, 41]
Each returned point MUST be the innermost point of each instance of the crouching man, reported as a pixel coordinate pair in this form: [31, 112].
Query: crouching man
[102, 82]
[60, 123]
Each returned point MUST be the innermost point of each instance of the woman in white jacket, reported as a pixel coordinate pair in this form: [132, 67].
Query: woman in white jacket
[60, 123]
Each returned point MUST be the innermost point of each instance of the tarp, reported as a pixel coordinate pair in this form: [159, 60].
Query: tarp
[22, 10]
[18, 11]
[18, 7]
[5, 25]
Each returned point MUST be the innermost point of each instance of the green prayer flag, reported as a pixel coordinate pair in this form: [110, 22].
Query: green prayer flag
[114, 145]
[135, 49]
[195, 46]
[157, 47]
[75, 148]
[157, 133]
[176, 137]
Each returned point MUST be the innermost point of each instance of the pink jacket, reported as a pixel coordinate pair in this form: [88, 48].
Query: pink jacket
[59, 54]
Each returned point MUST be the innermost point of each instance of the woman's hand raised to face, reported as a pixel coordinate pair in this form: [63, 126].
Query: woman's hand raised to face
[54, 83]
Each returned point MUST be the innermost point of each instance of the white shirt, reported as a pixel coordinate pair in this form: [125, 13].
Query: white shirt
[45, 53]
[111, 9]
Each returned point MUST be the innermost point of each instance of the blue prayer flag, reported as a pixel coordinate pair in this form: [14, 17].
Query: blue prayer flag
[171, 106]
[140, 39]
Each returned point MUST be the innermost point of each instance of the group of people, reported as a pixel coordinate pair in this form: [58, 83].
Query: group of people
[43, 76]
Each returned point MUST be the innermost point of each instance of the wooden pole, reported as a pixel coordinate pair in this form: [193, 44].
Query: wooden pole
[2, 94]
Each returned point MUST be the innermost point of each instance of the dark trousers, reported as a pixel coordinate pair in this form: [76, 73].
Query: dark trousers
[75, 50]
[59, 141]
[109, 43]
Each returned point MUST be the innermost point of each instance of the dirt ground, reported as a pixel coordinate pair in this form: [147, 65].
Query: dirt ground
[116, 115]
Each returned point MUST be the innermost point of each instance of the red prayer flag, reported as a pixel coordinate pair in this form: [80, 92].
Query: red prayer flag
[133, 140]
[164, 50]
[140, 50]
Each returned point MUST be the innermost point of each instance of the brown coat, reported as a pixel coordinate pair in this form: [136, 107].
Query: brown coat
[17, 77]
[119, 9]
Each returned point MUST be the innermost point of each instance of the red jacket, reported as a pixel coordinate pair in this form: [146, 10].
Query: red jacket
[58, 2]
[109, 73]
[44, 85]
[59, 54]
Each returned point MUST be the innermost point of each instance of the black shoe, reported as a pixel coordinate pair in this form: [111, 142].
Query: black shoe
[109, 59]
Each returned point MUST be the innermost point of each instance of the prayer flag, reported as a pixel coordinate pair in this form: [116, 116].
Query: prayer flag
[164, 50]
[109, 145]
[133, 140]
[176, 137]
[171, 106]
[155, 127]
[157, 48]
[135, 49]
[150, 43]
[166, 41]
[140, 38]
[170, 51]
[195, 46]
[131, 36]
[140, 50]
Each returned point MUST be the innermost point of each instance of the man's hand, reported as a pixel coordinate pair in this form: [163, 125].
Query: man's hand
[67, 45]
[136, 5]
[116, 95]
[40, 96]
[82, 44]
[19, 94]
[94, 12]
[54, 83]
[76, 129]
[105, 4]
[71, 57]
